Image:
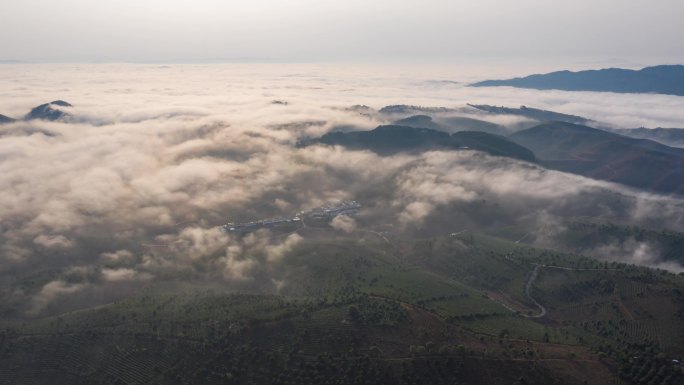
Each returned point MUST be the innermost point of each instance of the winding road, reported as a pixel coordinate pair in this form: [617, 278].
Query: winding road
[533, 277]
[542, 309]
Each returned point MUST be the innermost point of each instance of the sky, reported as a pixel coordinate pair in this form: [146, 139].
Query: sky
[594, 33]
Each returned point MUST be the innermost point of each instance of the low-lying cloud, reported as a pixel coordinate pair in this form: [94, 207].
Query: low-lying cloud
[637, 253]
[133, 187]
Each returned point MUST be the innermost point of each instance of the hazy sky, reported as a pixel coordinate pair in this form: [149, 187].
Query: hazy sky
[637, 31]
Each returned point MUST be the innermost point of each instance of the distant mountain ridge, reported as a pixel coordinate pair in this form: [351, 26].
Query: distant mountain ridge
[663, 79]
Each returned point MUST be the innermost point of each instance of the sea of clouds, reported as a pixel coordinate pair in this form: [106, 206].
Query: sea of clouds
[132, 187]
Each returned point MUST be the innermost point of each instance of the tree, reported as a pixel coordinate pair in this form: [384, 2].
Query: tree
[353, 312]
[545, 337]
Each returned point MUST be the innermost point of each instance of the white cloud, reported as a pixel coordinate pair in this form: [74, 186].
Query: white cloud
[124, 275]
[50, 292]
[156, 159]
[344, 223]
[53, 242]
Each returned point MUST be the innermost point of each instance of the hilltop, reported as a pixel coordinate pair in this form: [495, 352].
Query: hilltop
[52, 111]
[392, 139]
[451, 124]
[49, 111]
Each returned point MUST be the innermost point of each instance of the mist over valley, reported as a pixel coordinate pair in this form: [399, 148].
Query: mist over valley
[272, 210]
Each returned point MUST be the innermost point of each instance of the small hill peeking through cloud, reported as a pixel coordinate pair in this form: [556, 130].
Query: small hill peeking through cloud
[391, 139]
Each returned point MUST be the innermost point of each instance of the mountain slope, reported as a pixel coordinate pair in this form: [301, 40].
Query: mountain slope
[603, 155]
[5, 119]
[670, 136]
[451, 124]
[665, 79]
[49, 111]
[391, 139]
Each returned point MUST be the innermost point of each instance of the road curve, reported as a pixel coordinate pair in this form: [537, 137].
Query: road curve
[533, 277]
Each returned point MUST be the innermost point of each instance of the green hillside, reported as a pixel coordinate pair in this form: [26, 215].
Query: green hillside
[365, 310]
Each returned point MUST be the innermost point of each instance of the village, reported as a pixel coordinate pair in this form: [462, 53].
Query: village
[325, 212]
